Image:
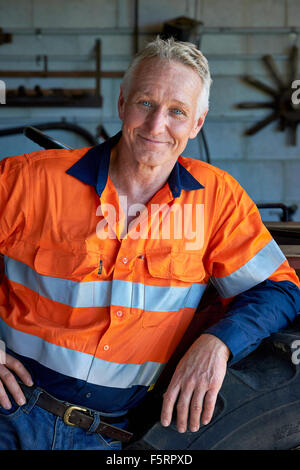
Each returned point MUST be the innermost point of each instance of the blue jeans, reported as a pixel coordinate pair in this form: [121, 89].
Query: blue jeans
[29, 427]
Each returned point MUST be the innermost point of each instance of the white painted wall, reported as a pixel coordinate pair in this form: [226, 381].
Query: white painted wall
[267, 168]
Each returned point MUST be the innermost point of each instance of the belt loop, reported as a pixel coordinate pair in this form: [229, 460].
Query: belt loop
[95, 423]
[32, 400]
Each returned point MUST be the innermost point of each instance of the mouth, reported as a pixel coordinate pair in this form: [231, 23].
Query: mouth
[151, 141]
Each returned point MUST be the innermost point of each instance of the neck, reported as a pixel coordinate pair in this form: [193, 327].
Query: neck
[136, 181]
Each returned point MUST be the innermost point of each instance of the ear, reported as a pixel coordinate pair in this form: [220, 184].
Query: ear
[121, 104]
[198, 124]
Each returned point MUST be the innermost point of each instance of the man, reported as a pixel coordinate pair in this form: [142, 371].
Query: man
[107, 253]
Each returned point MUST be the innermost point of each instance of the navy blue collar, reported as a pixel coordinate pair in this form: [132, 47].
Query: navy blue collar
[93, 167]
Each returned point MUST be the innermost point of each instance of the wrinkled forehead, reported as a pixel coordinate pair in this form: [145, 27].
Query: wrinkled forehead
[164, 73]
[162, 66]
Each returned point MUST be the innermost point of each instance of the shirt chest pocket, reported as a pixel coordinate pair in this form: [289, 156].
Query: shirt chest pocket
[173, 283]
[74, 264]
[58, 275]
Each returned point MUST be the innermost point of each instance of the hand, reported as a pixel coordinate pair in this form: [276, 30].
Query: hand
[8, 379]
[197, 380]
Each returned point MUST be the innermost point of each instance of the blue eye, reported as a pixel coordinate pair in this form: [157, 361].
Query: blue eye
[177, 111]
[146, 103]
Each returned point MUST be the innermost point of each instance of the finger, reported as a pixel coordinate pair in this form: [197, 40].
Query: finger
[195, 410]
[4, 400]
[12, 385]
[13, 364]
[209, 406]
[183, 406]
[169, 399]
[10, 381]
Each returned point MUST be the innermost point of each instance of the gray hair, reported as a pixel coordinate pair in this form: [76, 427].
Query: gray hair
[170, 49]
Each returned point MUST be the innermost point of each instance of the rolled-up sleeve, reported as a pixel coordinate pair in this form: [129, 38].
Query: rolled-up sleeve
[248, 268]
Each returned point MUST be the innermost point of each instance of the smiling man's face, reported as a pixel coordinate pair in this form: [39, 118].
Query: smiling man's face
[160, 112]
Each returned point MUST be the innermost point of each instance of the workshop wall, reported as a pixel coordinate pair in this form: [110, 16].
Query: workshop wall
[65, 31]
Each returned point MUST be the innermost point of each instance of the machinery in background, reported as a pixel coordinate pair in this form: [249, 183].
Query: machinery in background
[35, 133]
[56, 97]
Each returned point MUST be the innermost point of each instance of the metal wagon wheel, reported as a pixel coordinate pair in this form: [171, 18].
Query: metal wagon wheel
[282, 108]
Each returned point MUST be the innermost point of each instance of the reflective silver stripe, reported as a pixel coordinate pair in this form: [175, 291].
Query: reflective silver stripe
[73, 293]
[77, 364]
[155, 298]
[256, 270]
[112, 374]
[105, 293]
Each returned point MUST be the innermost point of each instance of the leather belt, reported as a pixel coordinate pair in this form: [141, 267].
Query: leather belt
[74, 415]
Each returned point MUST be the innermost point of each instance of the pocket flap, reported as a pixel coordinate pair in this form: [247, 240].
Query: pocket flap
[187, 267]
[67, 265]
[159, 264]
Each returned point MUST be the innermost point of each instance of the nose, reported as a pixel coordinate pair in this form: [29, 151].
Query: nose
[156, 122]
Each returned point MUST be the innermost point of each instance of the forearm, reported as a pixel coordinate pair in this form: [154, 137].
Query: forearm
[255, 314]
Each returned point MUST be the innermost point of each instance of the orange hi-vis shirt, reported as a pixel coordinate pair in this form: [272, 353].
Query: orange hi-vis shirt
[95, 313]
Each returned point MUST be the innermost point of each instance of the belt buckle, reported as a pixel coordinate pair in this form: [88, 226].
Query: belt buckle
[67, 414]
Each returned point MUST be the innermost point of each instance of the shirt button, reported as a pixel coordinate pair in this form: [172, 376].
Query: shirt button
[106, 347]
[88, 395]
[125, 260]
[119, 313]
